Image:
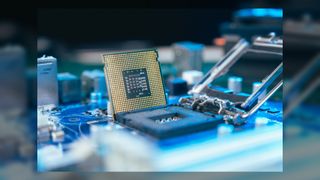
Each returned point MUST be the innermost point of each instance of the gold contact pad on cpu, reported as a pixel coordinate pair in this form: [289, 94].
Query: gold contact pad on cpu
[134, 80]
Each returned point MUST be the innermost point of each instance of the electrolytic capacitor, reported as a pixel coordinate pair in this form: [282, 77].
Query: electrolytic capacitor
[235, 84]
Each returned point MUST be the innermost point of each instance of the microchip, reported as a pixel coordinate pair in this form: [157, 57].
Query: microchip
[134, 80]
[136, 83]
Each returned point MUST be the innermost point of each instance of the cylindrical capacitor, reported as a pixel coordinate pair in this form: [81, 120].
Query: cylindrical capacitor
[255, 87]
[192, 77]
[178, 87]
[235, 84]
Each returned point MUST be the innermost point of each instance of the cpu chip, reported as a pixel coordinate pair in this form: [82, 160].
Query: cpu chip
[134, 80]
[136, 83]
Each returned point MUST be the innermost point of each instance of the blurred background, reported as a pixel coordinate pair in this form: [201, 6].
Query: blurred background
[84, 34]
[78, 36]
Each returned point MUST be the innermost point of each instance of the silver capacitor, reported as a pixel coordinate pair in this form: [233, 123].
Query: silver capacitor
[47, 81]
[235, 84]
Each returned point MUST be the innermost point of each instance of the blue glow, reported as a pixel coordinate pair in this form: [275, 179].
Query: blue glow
[260, 12]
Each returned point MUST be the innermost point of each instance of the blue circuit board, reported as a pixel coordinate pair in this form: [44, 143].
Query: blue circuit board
[76, 119]
[207, 149]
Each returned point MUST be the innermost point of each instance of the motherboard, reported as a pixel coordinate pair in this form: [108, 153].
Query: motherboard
[127, 116]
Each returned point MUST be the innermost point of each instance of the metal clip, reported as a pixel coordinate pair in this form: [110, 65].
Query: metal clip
[266, 83]
[269, 45]
[222, 67]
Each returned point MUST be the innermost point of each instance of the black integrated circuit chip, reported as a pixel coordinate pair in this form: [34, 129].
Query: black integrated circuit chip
[136, 83]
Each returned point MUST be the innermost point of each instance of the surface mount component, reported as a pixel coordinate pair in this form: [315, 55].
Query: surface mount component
[47, 81]
[168, 121]
[134, 80]
[93, 81]
[69, 87]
